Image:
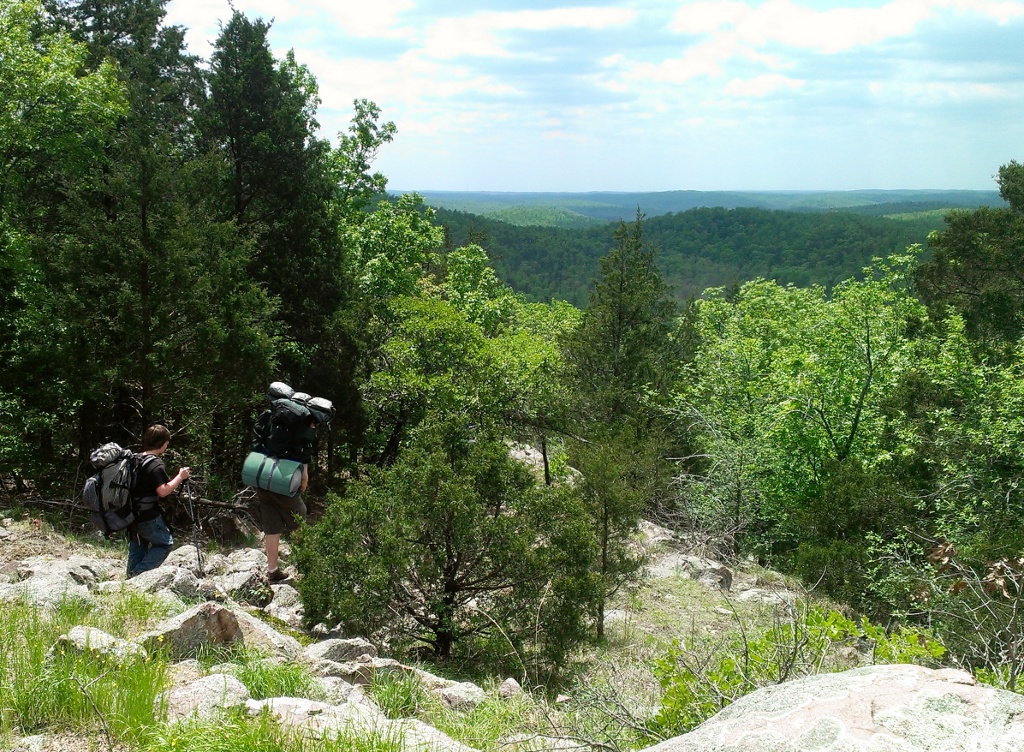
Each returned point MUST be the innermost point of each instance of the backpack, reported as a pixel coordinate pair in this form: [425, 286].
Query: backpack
[109, 494]
[284, 431]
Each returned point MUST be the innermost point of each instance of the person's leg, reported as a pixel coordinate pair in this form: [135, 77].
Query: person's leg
[155, 533]
[272, 542]
[137, 549]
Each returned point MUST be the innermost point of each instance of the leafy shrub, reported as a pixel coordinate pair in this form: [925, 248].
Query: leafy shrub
[697, 687]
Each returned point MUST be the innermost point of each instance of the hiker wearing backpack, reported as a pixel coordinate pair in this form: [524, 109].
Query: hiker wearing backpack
[149, 538]
[278, 467]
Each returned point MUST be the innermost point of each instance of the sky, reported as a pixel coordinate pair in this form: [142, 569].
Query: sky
[659, 95]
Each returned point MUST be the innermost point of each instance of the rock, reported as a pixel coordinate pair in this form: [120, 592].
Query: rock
[653, 534]
[97, 645]
[706, 571]
[204, 697]
[80, 570]
[417, 736]
[285, 596]
[4, 533]
[339, 650]
[256, 633]
[178, 580]
[286, 605]
[241, 560]
[44, 590]
[247, 586]
[319, 716]
[770, 597]
[186, 557]
[350, 671]
[183, 635]
[461, 696]
[509, 688]
[897, 708]
[336, 690]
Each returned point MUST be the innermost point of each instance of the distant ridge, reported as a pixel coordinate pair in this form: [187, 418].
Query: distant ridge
[587, 209]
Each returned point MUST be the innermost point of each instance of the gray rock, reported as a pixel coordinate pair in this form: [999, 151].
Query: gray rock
[767, 597]
[461, 696]
[96, 644]
[417, 736]
[897, 708]
[204, 697]
[178, 580]
[247, 586]
[256, 633]
[339, 650]
[186, 557]
[80, 570]
[183, 635]
[706, 571]
[44, 590]
[319, 717]
[286, 606]
[509, 688]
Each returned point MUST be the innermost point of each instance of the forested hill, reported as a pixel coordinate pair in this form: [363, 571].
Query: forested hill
[574, 210]
[697, 249]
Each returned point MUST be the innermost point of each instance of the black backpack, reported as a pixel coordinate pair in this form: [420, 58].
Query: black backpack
[285, 431]
[109, 495]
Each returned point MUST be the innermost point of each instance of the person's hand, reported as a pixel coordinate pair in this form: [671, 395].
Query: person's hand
[184, 472]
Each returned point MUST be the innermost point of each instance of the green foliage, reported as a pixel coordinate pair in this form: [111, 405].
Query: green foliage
[401, 695]
[787, 395]
[697, 684]
[443, 545]
[42, 691]
[697, 249]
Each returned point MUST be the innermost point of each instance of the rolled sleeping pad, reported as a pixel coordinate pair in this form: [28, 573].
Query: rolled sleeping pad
[279, 390]
[272, 474]
[301, 397]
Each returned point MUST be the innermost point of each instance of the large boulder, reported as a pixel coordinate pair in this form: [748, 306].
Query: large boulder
[205, 697]
[178, 580]
[897, 708]
[97, 645]
[339, 650]
[184, 635]
[257, 633]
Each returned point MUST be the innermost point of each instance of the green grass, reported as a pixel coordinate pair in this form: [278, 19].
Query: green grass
[41, 691]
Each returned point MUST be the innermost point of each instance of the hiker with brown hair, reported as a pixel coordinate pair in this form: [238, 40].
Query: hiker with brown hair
[149, 538]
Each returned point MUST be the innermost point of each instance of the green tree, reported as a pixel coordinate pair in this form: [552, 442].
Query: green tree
[621, 362]
[150, 314]
[790, 395]
[623, 349]
[55, 120]
[975, 268]
[453, 540]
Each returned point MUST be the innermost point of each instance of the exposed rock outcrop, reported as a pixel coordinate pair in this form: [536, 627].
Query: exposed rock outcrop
[896, 708]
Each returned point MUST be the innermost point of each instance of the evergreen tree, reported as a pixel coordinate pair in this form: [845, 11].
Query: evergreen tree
[151, 314]
[622, 359]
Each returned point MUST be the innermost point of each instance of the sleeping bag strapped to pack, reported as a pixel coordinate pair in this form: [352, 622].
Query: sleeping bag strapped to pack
[275, 474]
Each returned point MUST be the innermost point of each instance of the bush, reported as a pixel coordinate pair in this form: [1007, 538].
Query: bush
[697, 685]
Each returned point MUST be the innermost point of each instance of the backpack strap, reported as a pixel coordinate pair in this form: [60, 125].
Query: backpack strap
[144, 505]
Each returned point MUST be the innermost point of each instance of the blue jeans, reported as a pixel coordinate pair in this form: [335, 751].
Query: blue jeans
[149, 543]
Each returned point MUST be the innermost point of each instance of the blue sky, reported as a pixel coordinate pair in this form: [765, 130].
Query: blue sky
[653, 95]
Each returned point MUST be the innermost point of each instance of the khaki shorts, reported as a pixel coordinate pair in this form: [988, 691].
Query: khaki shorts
[279, 514]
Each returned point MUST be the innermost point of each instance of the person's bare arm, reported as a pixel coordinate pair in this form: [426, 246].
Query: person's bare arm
[168, 488]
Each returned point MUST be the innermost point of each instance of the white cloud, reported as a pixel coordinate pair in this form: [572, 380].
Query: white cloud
[479, 34]
[828, 31]
[378, 18]
[761, 86]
